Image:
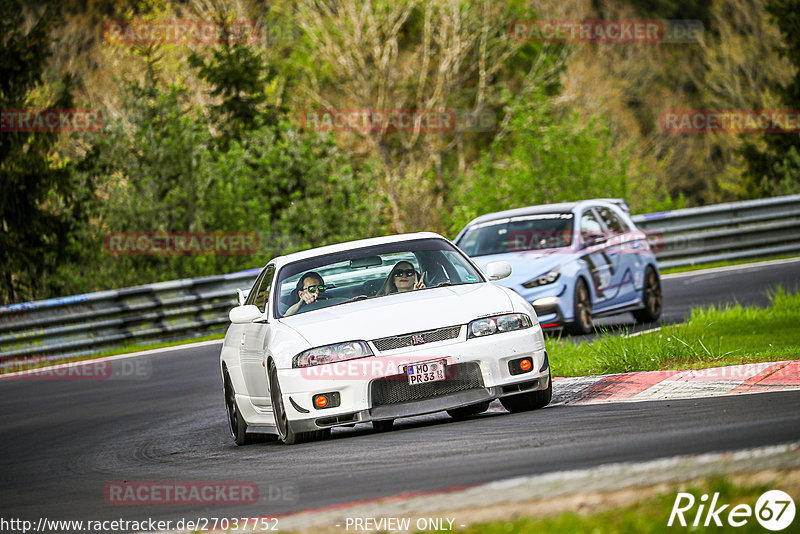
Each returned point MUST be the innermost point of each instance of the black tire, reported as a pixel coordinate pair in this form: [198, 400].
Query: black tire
[383, 426]
[582, 310]
[286, 435]
[652, 298]
[468, 411]
[236, 423]
[533, 400]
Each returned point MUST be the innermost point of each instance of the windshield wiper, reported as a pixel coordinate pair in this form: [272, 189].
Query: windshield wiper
[358, 297]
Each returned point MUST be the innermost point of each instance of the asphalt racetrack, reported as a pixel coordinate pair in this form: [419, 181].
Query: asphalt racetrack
[63, 441]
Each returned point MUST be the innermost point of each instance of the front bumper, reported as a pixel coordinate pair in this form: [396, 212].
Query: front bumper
[374, 388]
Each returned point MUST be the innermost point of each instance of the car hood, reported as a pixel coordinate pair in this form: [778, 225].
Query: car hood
[526, 265]
[400, 313]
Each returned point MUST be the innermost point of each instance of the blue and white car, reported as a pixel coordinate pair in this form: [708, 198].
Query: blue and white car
[573, 261]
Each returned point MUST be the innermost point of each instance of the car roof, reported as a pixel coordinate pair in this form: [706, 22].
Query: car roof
[349, 245]
[561, 207]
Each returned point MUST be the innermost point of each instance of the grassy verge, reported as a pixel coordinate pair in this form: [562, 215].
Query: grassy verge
[127, 349]
[649, 514]
[701, 266]
[712, 337]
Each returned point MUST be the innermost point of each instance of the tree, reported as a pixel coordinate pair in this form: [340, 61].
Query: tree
[39, 204]
[548, 156]
[775, 167]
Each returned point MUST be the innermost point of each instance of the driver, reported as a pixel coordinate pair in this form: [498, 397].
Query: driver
[309, 288]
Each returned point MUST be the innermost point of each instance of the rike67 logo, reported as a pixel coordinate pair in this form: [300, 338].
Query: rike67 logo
[774, 510]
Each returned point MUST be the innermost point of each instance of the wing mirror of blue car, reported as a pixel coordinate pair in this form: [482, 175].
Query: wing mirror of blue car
[497, 270]
[244, 314]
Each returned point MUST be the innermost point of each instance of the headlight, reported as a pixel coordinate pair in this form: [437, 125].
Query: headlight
[543, 280]
[495, 325]
[332, 353]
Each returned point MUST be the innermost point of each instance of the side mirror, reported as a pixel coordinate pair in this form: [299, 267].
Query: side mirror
[497, 270]
[241, 295]
[244, 314]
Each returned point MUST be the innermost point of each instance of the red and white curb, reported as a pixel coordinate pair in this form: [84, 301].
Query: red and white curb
[659, 385]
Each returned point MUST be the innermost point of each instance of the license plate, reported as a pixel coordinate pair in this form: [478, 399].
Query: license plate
[424, 372]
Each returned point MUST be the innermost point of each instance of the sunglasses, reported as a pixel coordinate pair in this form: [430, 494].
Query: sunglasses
[405, 272]
[314, 289]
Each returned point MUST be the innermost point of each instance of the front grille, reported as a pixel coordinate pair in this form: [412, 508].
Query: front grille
[396, 389]
[405, 340]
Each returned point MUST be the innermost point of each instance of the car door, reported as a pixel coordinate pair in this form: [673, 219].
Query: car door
[253, 342]
[596, 258]
[616, 231]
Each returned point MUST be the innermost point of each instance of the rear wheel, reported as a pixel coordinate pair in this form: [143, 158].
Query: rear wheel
[651, 298]
[467, 411]
[533, 400]
[582, 309]
[285, 433]
[236, 422]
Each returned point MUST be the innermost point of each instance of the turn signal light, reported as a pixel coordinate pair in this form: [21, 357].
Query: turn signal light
[327, 400]
[520, 366]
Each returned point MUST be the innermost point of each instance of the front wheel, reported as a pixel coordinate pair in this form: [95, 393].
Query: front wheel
[651, 298]
[533, 400]
[236, 422]
[285, 433]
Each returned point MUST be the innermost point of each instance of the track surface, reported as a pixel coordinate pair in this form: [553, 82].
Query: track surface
[63, 441]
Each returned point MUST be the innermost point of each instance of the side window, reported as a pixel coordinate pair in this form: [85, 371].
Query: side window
[262, 295]
[251, 296]
[260, 292]
[614, 224]
[589, 225]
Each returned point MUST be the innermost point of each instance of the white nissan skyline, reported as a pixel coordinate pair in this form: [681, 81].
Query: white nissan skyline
[375, 330]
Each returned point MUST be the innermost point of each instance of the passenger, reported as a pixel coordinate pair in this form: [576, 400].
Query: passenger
[309, 288]
[402, 278]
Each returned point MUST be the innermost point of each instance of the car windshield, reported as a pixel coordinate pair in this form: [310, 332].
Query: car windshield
[514, 234]
[369, 272]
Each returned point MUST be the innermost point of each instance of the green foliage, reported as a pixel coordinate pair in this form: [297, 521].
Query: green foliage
[774, 169]
[238, 77]
[548, 156]
[40, 204]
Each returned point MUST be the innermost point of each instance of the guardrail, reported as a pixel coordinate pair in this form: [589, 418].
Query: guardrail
[85, 324]
[720, 232]
[182, 309]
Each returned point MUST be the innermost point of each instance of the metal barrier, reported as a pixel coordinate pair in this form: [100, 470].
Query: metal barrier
[86, 324]
[720, 232]
[182, 309]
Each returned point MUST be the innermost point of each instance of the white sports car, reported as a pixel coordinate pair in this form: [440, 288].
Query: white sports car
[375, 330]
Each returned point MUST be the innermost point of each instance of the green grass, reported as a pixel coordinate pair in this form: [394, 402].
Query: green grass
[701, 266]
[126, 349]
[712, 337]
[644, 516]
